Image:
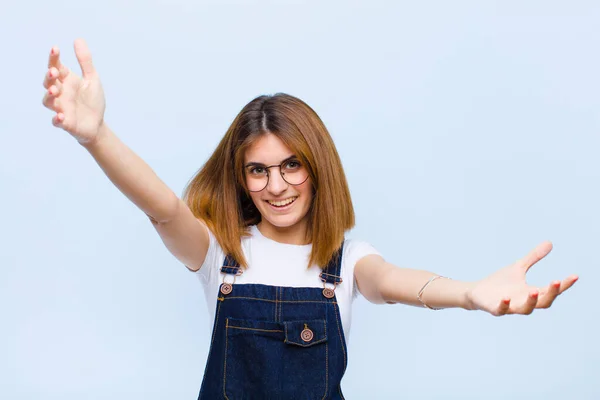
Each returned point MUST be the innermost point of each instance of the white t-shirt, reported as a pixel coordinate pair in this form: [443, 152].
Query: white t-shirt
[279, 264]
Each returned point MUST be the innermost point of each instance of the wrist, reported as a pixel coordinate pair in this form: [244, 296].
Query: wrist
[102, 132]
[467, 298]
[446, 293]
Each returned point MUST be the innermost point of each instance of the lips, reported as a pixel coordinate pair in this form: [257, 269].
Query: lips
[282, 203]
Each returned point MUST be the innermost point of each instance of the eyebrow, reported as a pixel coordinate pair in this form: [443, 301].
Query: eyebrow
[257, 164]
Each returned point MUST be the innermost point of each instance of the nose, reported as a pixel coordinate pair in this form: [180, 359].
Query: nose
[277, 184]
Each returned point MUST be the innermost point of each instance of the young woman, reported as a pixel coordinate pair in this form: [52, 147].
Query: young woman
[262, 225]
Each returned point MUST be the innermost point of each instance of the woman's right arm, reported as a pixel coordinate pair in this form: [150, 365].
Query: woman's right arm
[185, 236]
[79, 105]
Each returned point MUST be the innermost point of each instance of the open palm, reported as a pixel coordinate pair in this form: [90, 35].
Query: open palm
[78, 102]
[507, 292]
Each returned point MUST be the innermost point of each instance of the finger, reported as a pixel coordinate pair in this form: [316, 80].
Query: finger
[54, 62]
[530, 303]
[503, 307]
[567, 283]
[50, 77]
[548, 295]
[58, 120]
[56, 89]
[51, 102]
[536, 255]
[84, 57]
[64, 72]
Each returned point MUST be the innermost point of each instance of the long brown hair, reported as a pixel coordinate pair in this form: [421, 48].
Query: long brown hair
[217, 194]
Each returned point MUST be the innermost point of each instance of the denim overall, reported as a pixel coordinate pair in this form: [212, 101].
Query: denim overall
[272, 342]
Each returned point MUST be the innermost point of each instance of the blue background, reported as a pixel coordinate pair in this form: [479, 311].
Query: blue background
[469, 133]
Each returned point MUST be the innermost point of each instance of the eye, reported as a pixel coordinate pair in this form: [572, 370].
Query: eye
[292, 164]
[257, 171]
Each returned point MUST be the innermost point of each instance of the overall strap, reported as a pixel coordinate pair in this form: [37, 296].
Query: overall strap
[332, 271]
[230, 266]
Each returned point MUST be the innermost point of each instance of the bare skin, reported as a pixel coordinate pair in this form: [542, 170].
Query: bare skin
[503, 292]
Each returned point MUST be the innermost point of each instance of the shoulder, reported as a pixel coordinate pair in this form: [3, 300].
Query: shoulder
[355, 249]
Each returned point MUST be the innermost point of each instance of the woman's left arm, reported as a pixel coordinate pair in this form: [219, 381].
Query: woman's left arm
[503, 292]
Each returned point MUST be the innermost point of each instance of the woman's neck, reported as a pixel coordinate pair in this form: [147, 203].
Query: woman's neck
[295, 234]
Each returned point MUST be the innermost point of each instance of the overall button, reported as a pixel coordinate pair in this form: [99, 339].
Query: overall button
[327, 292]
[226, 288]
[306, 334]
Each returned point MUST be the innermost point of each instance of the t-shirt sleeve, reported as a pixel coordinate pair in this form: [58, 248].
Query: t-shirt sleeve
[354, 250]
[207, 271]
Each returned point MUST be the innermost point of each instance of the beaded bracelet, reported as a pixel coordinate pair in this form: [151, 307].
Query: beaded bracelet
[433, 278]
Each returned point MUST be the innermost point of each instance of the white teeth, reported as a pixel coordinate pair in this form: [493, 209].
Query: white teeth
[282, 202]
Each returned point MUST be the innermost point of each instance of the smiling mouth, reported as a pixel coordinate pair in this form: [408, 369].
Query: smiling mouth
[282, 203]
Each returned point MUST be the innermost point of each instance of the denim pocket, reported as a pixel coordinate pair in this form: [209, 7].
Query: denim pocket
[272, 360]
[305, 333]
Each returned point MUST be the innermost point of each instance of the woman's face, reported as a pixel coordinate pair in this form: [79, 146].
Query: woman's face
[283, 206]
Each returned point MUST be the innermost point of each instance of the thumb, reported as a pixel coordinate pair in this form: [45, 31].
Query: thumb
[84, 57]
[536, 254]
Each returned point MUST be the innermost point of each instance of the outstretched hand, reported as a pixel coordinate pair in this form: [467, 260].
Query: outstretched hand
[507, 292]
[78, 102]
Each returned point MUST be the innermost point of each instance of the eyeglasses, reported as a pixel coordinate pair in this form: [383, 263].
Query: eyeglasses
[291, 170]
